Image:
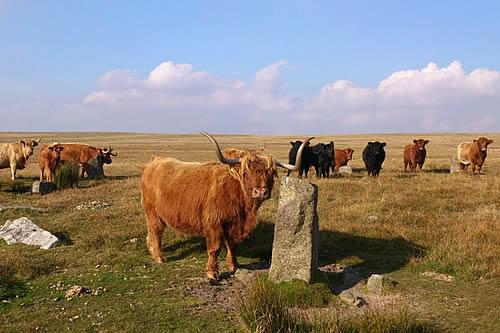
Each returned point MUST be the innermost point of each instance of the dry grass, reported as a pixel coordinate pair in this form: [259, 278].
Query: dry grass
[399, 224]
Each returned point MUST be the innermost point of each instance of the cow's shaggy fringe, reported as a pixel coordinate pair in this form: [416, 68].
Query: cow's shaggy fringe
[67, 175]
[263, 310]
[247, 156]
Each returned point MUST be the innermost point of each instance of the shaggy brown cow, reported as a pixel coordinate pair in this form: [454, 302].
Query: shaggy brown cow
[15, 155]
[216, 199]
[342, 156]
[473, 153]
[83, 153]
[48, 160]
[414, 155]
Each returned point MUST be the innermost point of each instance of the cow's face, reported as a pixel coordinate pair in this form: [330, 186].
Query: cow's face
[421, 143]
[377, 147]
[106, 155]
[258, 171]
[28, 146]
[483, 143]
[348, 153]
[56, 151]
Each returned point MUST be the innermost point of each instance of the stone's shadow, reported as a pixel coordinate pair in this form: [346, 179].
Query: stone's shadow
[10, 286]
[63, 237]
[358, 170]
[405, 175]
[359, 256]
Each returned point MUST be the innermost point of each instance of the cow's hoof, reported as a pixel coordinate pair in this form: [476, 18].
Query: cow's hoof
[159, 260]
[213, 276]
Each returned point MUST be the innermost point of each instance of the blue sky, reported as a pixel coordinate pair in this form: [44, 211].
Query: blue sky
[53, 54]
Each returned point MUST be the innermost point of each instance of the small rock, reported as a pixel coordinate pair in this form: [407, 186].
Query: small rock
[453, 164]
[349, 297]
[345, 170]
[438, 276]
[23, 230]
[373, 217]
[133, 240]
[243, 275]
[375, 283]
[42, 187]
[76, 291]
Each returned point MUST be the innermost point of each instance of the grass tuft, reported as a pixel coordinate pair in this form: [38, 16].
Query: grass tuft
[67, 176]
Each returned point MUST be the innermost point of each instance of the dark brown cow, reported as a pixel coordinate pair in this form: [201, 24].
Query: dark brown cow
[473, 153]
[342, 156]
[414, 155]
[48, 160]
[216, 199]
[83, 153]
[15, 155]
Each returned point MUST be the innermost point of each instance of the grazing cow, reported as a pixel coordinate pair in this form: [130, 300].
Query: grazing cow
[216, 199]
[15, 155]
[48, 160]
[374, 156]
[323, 158]
[307, 157]
[342, 156]
[473, 153]
[414, 155]
[82, 153]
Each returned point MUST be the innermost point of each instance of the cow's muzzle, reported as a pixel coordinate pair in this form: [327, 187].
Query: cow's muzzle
[260, 193]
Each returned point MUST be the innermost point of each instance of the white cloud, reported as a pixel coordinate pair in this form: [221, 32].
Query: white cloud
[178, 98]
[427, 99]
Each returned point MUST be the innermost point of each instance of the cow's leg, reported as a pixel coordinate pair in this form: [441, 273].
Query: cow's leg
[300, 173]
[478, 169]
[473, 168]
[82, 171]
[13, 170]
[231, 248]
[406, 165]
[420, 166]
[288, 173]
[41, 174]
[155, 232]
[214, 238]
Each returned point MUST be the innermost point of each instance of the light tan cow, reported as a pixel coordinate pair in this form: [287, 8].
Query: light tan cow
[473, 153]
[15, 155]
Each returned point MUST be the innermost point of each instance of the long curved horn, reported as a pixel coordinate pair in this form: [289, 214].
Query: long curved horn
[218, 151]
[298, 159]
[38, 141]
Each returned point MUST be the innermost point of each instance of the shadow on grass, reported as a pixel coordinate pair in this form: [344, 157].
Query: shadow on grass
[365, 255]
[10, 286]
[63, 237]
[437, 170]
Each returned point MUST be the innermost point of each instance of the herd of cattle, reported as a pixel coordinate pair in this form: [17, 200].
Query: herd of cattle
[324, 157]
[220, 200]
[15, 156]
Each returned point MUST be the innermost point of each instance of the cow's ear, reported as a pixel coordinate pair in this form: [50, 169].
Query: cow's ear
[490, 142]
[51, 148]
[22, 142]
[370, 143]
[331, 142]
[426, 141]
[384, 144]
[475, 141]
[291, 142]
[414, 141]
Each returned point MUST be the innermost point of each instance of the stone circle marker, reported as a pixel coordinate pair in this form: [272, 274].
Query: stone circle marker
[296, 232]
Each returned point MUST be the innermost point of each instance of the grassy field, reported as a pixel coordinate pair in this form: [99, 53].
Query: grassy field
[400, 225]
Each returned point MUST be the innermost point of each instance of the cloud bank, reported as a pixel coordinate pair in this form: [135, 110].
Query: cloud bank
[175, 97]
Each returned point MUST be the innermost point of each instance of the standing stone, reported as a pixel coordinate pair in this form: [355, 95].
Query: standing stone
[22, 230]
[345, 170]
[296, 232]
[42, 187]
[375, 283]
[94, 167]
[453, 165]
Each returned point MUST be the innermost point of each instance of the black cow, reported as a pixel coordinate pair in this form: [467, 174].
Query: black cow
[374, 156]
[307, 157]
[323, 158]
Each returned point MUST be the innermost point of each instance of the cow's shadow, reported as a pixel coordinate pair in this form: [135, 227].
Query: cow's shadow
[364, 255]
